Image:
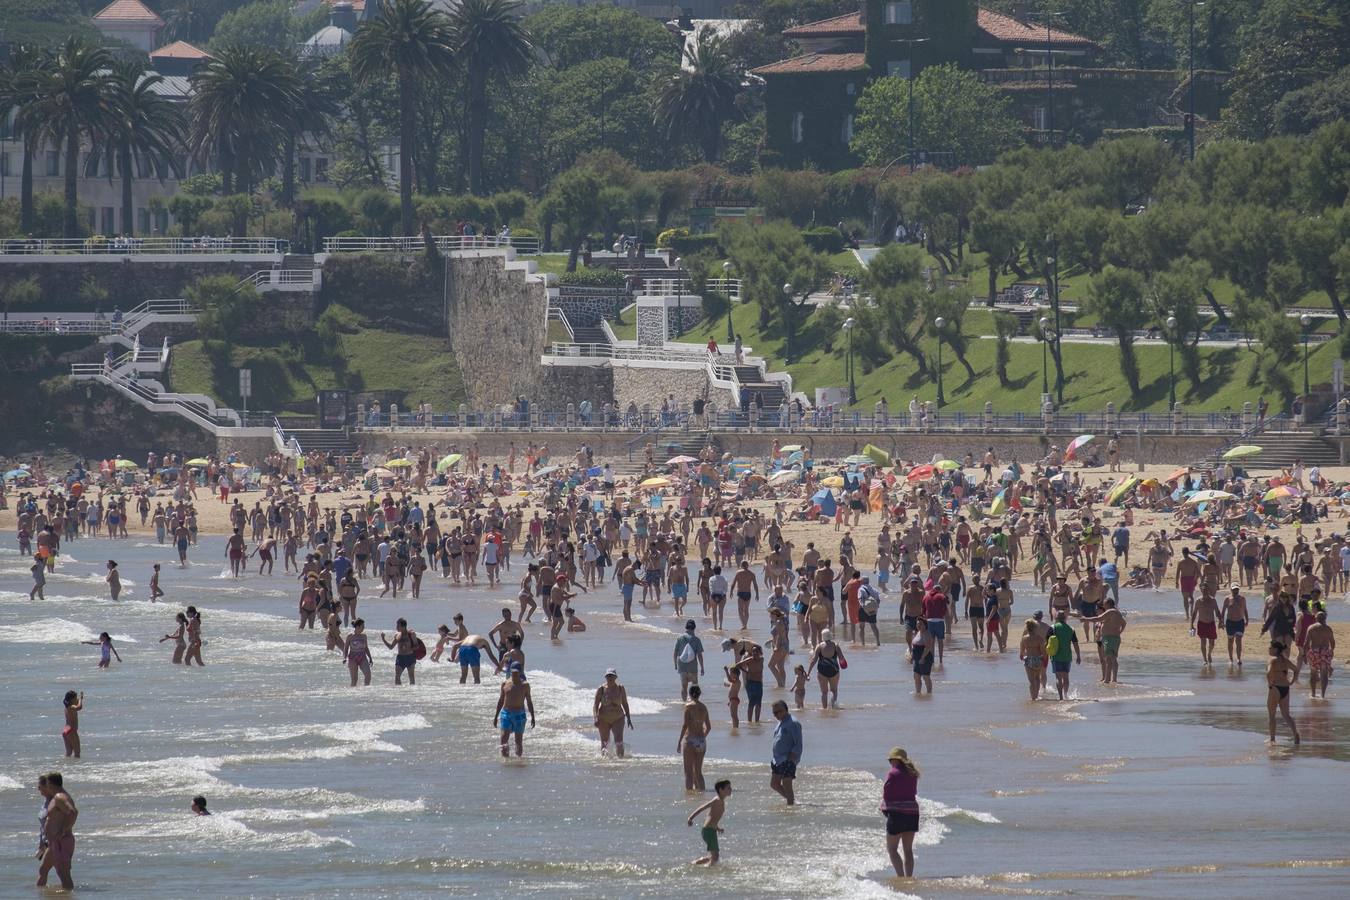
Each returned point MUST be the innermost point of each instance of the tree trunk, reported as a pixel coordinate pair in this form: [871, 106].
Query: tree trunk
[70, 227]
[1218, 308]
[26, 189]
[1335, 297]
[993, 283]
[406, 136]
[477, 129]
[226, 171]
[288, 172]
[128, 210]
[965, 363]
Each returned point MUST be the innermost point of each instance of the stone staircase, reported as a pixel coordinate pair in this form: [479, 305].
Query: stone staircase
[1279, 449]
[751, 381]
[583, 334]
[325, 440]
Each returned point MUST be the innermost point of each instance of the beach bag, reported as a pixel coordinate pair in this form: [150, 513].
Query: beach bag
[419, 649]
[687, 655]
[1052, 645]
[870, 602]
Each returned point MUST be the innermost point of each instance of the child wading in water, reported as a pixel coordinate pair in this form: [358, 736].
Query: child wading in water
[799, 685]
[733, 694]
[105, 645]
[71, 733]
[716, 808]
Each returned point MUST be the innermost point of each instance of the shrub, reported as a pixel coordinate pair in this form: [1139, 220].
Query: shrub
[593, 277]
[688, 244]
[664, 238]
[824, 239]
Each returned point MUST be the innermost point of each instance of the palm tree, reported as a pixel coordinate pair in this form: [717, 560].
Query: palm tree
[314, 109]
[72, 105]
[489, 43]
[146, 132]
[20, 74]
[700, 97]
[241, 100]
[415, 42]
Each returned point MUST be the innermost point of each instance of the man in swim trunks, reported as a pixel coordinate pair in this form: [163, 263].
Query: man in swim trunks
[1187, 577]
[692, 743]
[234, 549]
[1319, 650]
[742, 583]
[512, 704]
[469, 652]
[405, 658]
[1205, 624]
[60, 834]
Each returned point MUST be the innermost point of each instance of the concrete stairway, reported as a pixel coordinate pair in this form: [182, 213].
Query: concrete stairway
[324, 440]
[1279, 449]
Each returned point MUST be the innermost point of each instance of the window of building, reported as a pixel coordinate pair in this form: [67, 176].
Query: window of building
[900, 12]
[161, 221]
[898, 68]
[846, 132]
[53, 163]
[1039, 118]
[851, 88]
[321, 169]
[107, 222]
[798, 120]
[304, 169]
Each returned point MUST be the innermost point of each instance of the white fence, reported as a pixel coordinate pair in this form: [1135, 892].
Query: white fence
[445, 243]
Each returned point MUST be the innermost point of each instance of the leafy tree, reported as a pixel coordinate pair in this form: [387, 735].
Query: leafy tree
[266, 23]
[72, 105]
[893, 278]
[313, 109]
[996, 234]
[951, 305]
[1176, 293]
[955, 114]
[145, 133]
[768, 258]
[241, 100]
[194, 20]
[1005, 328]
[42, 24]
[21, 75]
[224, 308]
[1116, 297]
[20, 294]
[572, 35]
[417, 43]
[697, 100]
[490, 44]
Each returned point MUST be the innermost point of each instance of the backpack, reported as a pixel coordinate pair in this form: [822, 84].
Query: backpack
[869, 600]
[687, 655]
[1052, 645]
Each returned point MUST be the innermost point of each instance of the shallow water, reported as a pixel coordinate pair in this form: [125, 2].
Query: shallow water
[1160, 786]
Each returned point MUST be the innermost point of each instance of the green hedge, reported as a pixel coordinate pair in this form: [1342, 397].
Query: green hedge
[594, 277]
[824, 239]
[688, 244]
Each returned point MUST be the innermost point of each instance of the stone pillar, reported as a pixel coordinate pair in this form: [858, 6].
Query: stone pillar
[393, 416]
[988, 417]
[1178, 415]
[361, 415]
[1248, 416]
[646, 416]
[571, 416]
[1111, 418]
[1342, 412]
[463, 414]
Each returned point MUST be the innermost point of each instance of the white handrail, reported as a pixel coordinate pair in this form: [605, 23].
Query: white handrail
[118, 246]
[447, 243]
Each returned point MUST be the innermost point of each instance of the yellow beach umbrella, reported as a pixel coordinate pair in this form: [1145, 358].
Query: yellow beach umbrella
[946, 465]
[198, 461]
[126, 464]
[449, 462]
[655, 482]
[1242, 451]
[399, 464]
[833, 481]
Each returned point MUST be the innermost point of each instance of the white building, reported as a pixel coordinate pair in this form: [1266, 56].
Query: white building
[130, 21]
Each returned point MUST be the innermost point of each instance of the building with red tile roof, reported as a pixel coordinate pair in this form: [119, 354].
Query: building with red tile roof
[131, 22]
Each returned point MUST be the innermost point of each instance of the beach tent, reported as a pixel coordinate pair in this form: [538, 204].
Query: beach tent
[877, 455]
[825, 500]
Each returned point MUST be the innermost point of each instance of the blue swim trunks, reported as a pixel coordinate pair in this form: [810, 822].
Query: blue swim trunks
[679, 591]
[512, 720]
[627, 591]
[938, 628]
[470, 656]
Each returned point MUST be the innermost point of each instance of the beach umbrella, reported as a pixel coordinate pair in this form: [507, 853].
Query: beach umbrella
[783, 475]
[399, 464]
[379, 472]
[790, 448]
[1117, 493]
[793, 457]
[877, 455]
[1074, 445]
[448, 462]
[594, 471]
[18, 473]
[857, 459]
[655, 482]
[1283, 492]
[1178, 474]
[126, 464]
[833, 481]
[198, 461]
[1150, 483]
[946, 465]
[1061, 477]
[1208, 496]
[1242, 451]
[1000, 503]
[239, 465]
[680, 460]
[546, 470]
[919, 473]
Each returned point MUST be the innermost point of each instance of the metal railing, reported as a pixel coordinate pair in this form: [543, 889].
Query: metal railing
[282, 277]
[445, 243]
[65, 323]
[117, 246]
[673, 287]
[557, 315]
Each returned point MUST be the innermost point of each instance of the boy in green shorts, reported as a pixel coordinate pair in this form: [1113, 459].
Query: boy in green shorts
[715, 807]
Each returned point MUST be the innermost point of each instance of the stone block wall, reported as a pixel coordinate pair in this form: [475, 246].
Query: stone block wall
[561, 385]
[651, 329]
[587, 311]
[497, 328]
[649, 386]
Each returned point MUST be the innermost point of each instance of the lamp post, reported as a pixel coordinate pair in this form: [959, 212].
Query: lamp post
[1052, 264]
[1171, 366]
[1190, 86]
[1306, 321]
[726, 289]
[1045, 343]
[938, 323]
[848, 365]
[787, 334]
[679, 296]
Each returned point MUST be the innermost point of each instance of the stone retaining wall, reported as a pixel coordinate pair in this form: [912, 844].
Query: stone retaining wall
[497, 328]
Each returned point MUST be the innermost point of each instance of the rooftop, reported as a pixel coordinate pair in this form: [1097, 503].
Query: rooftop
[180, 50]
[127, 11]
[813, 63]
[849, 23]
[996, 25]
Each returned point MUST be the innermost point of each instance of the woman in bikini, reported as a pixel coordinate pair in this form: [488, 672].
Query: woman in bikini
[611, 712]
[827, 659]
[194, 637]
[70, 734]
[1281, 675]
[1032, 654]
[356, 651]
[180, 645]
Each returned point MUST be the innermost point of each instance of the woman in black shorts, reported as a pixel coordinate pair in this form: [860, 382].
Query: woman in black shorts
[900, 806]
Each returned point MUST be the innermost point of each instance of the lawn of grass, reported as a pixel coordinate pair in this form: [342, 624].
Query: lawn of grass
[1092, 372]
[413, 368]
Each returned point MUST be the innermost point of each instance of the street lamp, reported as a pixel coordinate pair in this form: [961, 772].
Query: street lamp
[679, 297]
[787, 312]
[1171, 367]
[848, 366]
[1045, 343]
[938, 323]
[1306, 321]
[1053, 265]
[726, 289]
[1190, 89]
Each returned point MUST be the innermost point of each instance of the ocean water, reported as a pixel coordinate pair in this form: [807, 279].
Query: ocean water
[1159, 787]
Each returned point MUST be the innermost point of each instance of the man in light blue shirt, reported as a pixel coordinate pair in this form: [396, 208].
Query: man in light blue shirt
[1111, 576]
[787, 752]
